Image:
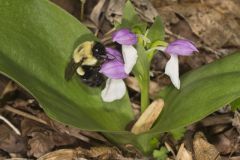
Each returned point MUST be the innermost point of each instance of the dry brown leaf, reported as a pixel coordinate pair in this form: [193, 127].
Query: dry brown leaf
[96, 12]
[236, 121]
[145, 9]
[183, 153]
[148, 117]
[10, 142]
[62, 154]
[209, 21]
[103, 153]
[204, 150]
[154, 88]
[114, 11]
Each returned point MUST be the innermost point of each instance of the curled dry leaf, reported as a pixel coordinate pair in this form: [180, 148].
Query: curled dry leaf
[183, 153]
[149, 116]
[204, 150]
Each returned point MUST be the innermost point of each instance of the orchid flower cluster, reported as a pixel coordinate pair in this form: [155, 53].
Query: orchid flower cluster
[120, 64]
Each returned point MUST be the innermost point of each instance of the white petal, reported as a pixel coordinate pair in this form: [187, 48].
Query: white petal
[114, 89]
[172, 70]
[130, 57]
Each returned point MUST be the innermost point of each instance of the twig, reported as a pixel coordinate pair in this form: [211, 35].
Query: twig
[24, 114]
[10, 125]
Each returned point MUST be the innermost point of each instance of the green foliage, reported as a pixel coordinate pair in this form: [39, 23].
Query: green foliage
[178, 133]
[160, 154]
[131, 19]
[235, 104]
[156, 31]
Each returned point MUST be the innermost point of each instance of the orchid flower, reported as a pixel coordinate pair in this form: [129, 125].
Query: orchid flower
[179, 47]
[118, 65]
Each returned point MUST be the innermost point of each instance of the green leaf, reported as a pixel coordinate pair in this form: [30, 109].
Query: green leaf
[178, 133]
[235, 104]
[202, 92]
[156, 31]
[37, 40]
[160, 154]
[131, 19]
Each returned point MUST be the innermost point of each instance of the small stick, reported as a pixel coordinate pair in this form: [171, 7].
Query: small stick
[24, 114]
[10, 125]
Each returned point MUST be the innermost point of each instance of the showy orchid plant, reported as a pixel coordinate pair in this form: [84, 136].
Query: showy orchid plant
[35, 50]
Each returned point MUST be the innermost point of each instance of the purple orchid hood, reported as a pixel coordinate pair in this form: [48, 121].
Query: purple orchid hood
[114, 67]
[124, 37]
[181, 47]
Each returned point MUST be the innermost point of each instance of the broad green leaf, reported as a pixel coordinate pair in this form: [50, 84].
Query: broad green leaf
[37, 40]
[156, 31]
[203, 91]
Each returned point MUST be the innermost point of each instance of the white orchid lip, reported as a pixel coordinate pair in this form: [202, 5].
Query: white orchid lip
[130, 57]
[172, 70]
[115, 89]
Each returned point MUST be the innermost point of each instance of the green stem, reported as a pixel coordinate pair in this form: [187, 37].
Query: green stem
[145, 92]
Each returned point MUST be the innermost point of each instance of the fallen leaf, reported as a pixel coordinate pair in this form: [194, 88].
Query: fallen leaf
[148, 117]
[97, 12]
[236, 121]
[183, 153]
[10, 142]
[114, 11]
[154, 88]
[204, 150]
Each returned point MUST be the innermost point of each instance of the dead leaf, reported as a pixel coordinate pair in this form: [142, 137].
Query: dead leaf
[154, 88]
[183, 153]
[148, 117]
[62, 154]
[236, 121]
[207, 21]
[145, 9]
[114, 11]
[204, 150]
[10, 142]
[103, 153]
[97, 12]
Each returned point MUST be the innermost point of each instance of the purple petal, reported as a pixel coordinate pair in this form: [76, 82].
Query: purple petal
[113, 69]
[181, 47]
[114, 54]
[124, 37]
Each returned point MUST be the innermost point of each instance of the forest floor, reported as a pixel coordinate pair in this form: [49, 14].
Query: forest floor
[213, 25]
